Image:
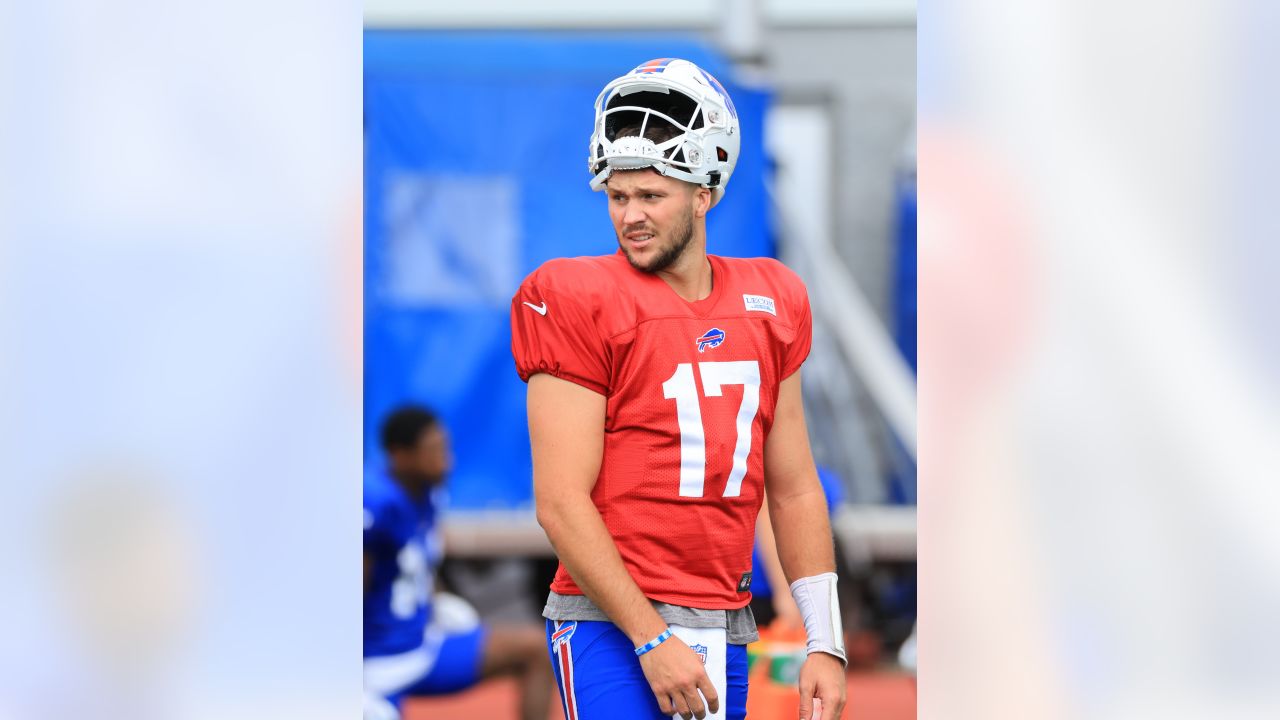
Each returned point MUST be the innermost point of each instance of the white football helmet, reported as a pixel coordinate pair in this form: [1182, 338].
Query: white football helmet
[671, 115]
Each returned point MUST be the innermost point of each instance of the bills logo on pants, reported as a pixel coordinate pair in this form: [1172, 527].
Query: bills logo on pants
[563, 652]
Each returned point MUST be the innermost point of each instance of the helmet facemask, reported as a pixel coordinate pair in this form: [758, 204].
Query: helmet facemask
[646, 127]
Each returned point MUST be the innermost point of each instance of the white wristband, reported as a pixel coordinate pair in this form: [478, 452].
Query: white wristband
[820, 608]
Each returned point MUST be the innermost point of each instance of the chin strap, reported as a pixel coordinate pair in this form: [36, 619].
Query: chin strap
[820, 608]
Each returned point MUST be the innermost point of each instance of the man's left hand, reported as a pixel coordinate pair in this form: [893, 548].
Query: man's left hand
[822, 677]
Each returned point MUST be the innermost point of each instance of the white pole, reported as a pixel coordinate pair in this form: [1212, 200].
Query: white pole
[742, 30]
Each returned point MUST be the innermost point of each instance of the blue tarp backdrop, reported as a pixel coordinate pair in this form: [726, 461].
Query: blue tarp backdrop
[475, 174]
[904, 287]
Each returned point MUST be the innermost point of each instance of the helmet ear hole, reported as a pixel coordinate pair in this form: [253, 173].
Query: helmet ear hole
[721, 154]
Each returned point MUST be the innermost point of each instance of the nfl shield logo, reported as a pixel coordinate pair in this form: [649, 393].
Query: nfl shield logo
[702, 652]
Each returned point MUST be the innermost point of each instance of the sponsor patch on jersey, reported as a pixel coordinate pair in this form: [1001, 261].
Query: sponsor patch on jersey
[760, 303]
[710, 339]
[563, 633]
[701, 650]
[744, 584]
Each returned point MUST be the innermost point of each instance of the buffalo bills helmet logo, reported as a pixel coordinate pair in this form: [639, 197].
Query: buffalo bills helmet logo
[710, 339]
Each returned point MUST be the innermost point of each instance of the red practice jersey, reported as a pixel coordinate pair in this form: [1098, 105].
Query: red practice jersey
[691, 389]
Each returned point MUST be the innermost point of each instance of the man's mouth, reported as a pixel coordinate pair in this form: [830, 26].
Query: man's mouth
[639, 240]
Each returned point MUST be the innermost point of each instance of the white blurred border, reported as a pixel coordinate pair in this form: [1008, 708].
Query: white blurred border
[1099, 435]
[181, 425]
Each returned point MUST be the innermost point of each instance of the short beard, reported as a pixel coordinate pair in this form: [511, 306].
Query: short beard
[683, 234]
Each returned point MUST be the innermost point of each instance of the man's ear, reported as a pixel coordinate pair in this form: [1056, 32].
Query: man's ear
[701, 201]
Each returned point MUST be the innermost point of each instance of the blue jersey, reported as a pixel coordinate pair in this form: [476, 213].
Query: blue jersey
[402, 537]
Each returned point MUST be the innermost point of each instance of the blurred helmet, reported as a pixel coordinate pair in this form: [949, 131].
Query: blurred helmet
[671, 115]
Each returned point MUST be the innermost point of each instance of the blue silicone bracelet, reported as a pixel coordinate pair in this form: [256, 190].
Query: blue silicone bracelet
[653, 643]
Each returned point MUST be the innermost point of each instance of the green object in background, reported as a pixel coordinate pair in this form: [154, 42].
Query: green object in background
[784, 668]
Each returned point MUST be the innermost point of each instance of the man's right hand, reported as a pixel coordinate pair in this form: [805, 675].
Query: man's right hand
[675, 674]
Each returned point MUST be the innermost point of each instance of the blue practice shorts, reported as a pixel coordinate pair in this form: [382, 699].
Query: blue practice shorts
[600, 678]
[445, 664]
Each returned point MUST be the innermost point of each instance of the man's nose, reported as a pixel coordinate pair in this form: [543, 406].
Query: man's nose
[633, 214]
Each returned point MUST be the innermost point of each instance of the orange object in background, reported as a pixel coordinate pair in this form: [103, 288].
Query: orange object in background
[767, 699]
[774, 692]
[774, 663]
[775, 633]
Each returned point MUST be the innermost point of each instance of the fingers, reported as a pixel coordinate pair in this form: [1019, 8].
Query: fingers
[688, 703]
[709, 692]
[702, 684]
[835, 706]
[834, 701]
[682, 706]
[807, 688]
[828, 701]
[677, 679]
[823, 686]
[698, 707]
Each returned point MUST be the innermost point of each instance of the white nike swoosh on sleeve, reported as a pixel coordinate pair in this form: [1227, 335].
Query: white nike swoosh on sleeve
[540, 309]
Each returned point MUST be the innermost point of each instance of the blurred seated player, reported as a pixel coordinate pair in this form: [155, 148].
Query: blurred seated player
[416, 641]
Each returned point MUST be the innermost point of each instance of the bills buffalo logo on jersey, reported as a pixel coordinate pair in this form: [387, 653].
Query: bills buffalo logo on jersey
[701, 650]
[710, 339]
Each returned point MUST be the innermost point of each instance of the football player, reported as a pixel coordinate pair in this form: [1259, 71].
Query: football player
[417, 641]
[663, 398]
